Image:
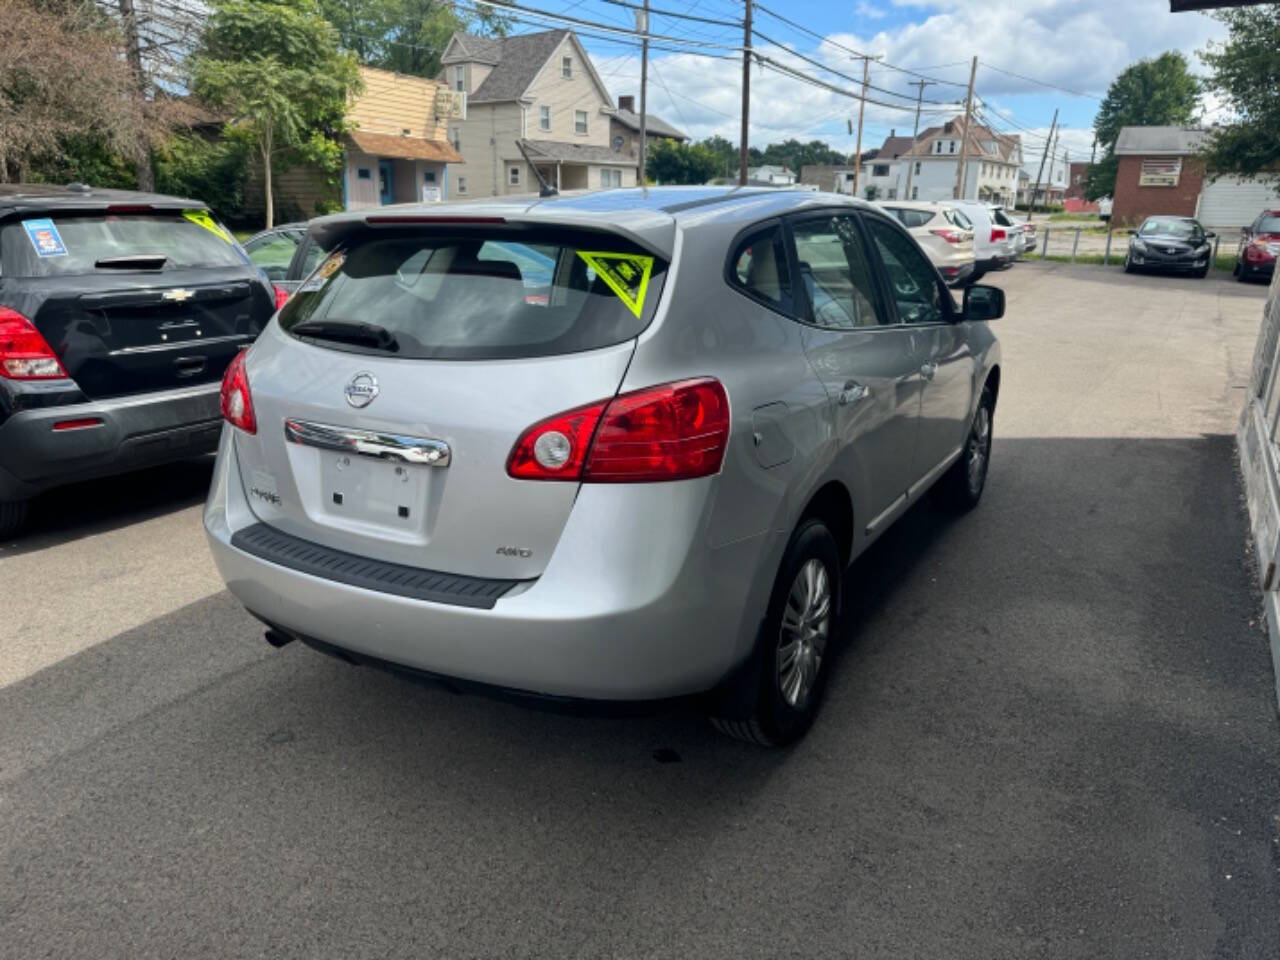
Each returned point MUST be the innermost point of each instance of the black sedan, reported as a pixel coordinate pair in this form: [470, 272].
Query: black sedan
[1170, 244]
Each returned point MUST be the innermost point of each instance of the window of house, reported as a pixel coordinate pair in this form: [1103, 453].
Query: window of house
[462, 184]
[513, 176]
[364, 173]
[460, 78]
[544, 118]
[917, 168]
[428, 176]
[915, 193]
[566, 68]
[455, 137]
[880, 170]
[952, 146]
[610, 177]
[579, 121]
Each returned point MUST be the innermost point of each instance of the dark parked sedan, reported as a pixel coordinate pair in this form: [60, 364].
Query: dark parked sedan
[1169, 244]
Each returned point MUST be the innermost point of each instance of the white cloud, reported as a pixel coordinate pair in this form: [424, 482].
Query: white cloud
[1079, 45]
[869, 10]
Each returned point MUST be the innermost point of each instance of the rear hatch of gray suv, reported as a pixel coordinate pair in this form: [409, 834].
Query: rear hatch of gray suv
[389, 397]
[133, 299]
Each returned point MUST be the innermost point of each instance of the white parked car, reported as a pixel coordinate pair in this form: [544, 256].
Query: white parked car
[993, 245]
[944, 233]
[1025, 238]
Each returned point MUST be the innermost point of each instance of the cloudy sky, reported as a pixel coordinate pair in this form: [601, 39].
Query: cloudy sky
[1076, 45]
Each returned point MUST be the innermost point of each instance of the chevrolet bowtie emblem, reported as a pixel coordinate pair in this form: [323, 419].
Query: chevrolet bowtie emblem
[178, 296]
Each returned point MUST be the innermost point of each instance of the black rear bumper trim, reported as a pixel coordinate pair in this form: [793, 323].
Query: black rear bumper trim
[286, 550]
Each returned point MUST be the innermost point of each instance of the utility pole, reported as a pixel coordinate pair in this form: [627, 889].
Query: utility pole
[915, 131]
[964, 139]
[862, 109]
[642, 24]
[746, 94]
[133, 53]
[1031, 207]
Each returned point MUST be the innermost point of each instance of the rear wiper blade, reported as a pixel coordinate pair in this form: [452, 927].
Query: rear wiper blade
[368, 334]
[133, 261]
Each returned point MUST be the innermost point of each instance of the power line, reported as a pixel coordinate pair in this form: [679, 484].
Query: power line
[506, 5]
[1040, 83]
[850, 50]
[844, 76]
[679, 16]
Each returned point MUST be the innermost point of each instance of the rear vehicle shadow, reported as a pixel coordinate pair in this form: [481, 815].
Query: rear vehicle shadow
[83, 509]
[1055, 696]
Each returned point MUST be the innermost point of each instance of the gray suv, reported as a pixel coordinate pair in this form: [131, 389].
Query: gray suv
[615, 446]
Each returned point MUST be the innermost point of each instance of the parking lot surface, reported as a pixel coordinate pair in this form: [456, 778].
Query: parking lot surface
[1051, 733]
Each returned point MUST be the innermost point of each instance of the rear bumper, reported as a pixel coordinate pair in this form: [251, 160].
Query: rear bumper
[126, 434]
[630, 607]
[956, 274]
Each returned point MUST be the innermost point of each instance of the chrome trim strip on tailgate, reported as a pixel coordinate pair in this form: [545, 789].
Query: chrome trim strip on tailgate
[368, 443]
[285, 550]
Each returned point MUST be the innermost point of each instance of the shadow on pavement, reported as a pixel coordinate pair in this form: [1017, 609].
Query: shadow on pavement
[1052, 734]
[68, 513]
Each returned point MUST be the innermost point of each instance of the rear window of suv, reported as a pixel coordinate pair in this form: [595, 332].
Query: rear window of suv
[87, 240]
[477, 295]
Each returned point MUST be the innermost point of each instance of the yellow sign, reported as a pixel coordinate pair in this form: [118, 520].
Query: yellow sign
[201, 218]
[627, 275]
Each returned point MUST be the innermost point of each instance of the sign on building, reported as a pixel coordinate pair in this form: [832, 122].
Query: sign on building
[1160, 172]
[451, 104]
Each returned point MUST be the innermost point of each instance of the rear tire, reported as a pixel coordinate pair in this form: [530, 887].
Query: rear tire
[961, 486]
[1242, 275]
[796, 641]
[13, 514]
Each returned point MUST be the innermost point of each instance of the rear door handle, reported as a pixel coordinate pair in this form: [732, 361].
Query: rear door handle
[852, 393]
[928, 370]
[189, 366]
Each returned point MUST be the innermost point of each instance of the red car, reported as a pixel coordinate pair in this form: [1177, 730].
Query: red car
[1259, 246]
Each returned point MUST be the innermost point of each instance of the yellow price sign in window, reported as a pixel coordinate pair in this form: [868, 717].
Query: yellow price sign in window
[627, 274]
[201, 218]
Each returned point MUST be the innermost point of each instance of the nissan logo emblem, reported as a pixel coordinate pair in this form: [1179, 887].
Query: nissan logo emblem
[361, 389]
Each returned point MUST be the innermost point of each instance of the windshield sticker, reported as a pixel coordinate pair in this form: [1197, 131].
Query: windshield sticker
[201, 218]
[45, 238]
[326, 270]
[627, 275]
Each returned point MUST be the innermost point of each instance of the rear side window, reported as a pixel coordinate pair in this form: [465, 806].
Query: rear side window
[75, 244]
[477, 296]
[958, 219]
[758, 267]
[1269, 225]
[915, 218]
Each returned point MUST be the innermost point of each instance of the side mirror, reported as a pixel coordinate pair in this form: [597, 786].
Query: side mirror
[1244, 231]
[1132, 232]
[1210, 235]
[982, 302]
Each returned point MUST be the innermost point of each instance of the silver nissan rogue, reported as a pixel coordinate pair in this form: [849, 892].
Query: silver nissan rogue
[610, 446]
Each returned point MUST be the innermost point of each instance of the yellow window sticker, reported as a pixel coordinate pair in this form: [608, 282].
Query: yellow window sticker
[627, 275]
[326, 270]
[201, 218]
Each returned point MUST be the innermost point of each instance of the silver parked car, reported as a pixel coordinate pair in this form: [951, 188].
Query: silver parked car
[613, 446]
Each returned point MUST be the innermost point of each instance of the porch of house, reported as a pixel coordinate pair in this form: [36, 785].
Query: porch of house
[380, 170]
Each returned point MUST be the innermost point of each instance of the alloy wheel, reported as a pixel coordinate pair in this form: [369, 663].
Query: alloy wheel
[978, 450]
[806, 621]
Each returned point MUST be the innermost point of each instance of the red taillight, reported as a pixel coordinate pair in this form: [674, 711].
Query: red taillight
[84, 423]
[676, 431]
[997, 234]
[235, 400]
[951, 236]
[24, 354]
[282, 295]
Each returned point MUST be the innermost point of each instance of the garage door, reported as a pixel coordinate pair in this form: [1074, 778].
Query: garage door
[1235, 202]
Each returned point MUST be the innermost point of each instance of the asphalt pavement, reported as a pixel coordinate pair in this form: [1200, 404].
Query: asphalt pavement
[1051, 731]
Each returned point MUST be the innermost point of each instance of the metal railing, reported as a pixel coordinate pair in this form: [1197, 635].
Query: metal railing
[1106, 253]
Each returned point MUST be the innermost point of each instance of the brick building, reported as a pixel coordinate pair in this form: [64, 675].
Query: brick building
[1158, 172]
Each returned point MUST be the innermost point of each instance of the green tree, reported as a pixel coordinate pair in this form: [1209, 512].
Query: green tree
[274, 67]
[1246, 72]
[407, 36]
[725, 153]
[668, 162]
[1156, 92]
